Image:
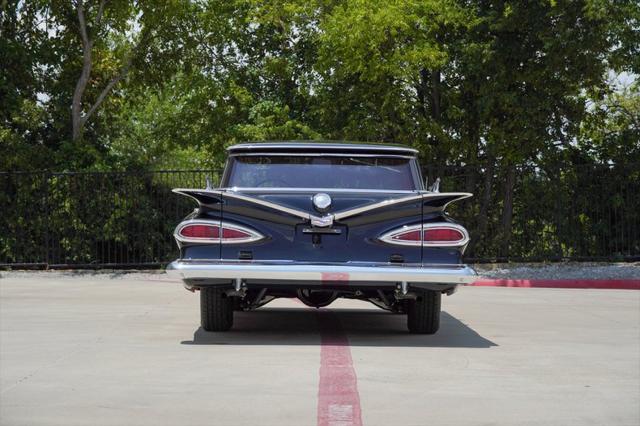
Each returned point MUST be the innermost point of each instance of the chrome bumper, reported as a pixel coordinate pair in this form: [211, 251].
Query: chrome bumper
[321, 272]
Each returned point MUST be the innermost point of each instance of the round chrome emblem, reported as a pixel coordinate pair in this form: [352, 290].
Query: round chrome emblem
[322, 202]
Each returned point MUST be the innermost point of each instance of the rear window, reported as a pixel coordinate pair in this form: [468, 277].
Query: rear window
[348, 172]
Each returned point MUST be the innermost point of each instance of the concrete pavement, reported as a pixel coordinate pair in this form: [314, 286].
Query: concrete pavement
[126, 349]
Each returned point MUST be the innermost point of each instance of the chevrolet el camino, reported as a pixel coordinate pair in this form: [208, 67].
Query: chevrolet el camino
[320, 221]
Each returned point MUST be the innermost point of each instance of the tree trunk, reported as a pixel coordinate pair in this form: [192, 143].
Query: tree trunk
[421, 92]
[77, 122]
[77, 119]
[483, 218]
[474, 146]
[436, 95]
[507, 209]
[436, 111]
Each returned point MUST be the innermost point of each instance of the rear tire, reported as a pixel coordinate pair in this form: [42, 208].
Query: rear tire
[423, 313]
[216, 310]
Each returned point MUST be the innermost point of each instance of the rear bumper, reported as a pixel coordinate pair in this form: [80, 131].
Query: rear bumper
[215, 273]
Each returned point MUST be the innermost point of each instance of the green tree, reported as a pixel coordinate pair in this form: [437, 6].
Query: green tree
[84, 58]
[611, 130]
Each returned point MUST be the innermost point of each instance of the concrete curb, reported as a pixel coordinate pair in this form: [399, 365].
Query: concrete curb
[594, 284]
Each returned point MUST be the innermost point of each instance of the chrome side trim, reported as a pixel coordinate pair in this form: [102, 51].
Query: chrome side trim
[294, 212]
[186, 191]
[421, 195]
[330, 272]
[459, 196]
[358, 210]
[326, 220]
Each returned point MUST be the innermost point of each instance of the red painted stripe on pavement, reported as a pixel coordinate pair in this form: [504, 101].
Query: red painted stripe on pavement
[338, 398]
[596, 284]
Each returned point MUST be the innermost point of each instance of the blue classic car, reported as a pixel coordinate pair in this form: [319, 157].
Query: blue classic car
[318, 221]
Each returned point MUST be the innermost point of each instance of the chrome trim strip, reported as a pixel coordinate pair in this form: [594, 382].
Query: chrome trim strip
[358, 210]
[335, 146]
[387, 237]
[314, 190]
[327, 220]
[317, 154]
[443, 274]
[459, 196]
[465, 196]
[255, 235]
[316, 220]
[462, 195]
[421, 195]
[187, 191]
[294, 212]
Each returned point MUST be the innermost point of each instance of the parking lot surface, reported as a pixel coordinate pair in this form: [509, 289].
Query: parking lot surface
[127, 349]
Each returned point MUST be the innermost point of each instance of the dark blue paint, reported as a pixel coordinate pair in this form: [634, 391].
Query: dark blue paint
[356, 242]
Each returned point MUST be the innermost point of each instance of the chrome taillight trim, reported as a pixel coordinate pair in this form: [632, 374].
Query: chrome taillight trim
[388, 236]
[460, 243]
[254, 235]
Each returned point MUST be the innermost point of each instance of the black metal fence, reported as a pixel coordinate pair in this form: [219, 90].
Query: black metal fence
[560, 212]
[111, 219]
[126, 219]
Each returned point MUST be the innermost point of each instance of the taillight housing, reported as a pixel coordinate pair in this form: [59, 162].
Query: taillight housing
[429, 235]
[209, 232]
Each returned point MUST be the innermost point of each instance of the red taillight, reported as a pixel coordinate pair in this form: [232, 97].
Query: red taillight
[229, 233]
[443, 235]
[407, 236]
[428, 234]
[200, 231]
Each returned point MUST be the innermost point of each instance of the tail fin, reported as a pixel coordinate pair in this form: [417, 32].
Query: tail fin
[204, 197]
[440, 200]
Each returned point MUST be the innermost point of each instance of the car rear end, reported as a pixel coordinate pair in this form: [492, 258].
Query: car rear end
[318, 222]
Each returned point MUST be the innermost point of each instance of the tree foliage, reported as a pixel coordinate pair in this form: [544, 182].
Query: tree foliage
[490, 87]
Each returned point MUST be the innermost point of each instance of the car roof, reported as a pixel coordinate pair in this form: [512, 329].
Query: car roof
[321, 146]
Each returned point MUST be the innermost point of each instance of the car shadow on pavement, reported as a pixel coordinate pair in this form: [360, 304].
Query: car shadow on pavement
[363, 327]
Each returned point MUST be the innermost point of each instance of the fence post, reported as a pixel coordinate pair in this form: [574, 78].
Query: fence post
[47, 239]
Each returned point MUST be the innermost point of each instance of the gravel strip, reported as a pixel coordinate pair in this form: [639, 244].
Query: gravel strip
[559, 271]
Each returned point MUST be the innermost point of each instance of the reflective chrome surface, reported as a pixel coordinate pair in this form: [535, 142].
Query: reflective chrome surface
[327, 146]
[322, 272]
[388, 237]
[322, 202]
[253, 234]
[328, 220]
